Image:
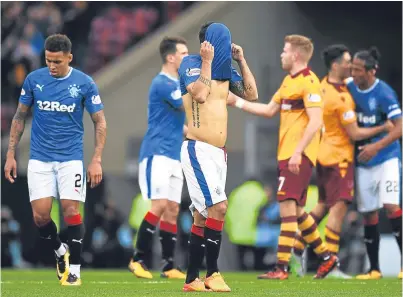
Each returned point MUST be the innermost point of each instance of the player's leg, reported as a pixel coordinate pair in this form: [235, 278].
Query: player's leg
[75, 229]
[332, 233]
[196, 253]
[196, 249]
[72, 191]
[154, 184]
[205, 169]
[168, 224]
[217, 205]
[389, 190]
[288, 229]
[339, 189]
[308, 226]
[42, 189]
[290, 188]
[318, 213]
[368, 203]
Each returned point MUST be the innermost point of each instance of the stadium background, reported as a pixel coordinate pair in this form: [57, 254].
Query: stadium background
[117, 43]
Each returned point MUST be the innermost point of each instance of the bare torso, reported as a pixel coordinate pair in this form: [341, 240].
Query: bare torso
[207, 122]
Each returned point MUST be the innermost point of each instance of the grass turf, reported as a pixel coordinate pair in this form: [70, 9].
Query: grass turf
[120, 283]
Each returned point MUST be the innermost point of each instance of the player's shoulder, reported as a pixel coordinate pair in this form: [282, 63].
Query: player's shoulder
[310, 76]
[162, 80]
[41, 72]
[83, 77]
[190, 65]
[385, 88]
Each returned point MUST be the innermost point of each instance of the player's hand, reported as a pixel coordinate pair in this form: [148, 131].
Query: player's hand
[237, 52]
[207, 51]
[295, 161]
[94, 173]
[388, 126]
[367, 152]
[10, 169]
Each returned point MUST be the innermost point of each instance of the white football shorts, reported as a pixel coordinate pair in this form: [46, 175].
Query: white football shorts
[64, 180]
[161, 177]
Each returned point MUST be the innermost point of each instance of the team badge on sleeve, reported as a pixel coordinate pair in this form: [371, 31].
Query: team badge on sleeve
[96, 99]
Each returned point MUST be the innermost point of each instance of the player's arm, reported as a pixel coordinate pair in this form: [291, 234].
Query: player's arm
[394, 134]
[357, 133]
[16, 131]
[94, 106]
[200, 89]
[348, 119]
[17, 128]
[173, 97]
[98, 118]
[185, 130]
[315, 115]
[389, 105]
[314, 110]
[246, 87]
[260, 109]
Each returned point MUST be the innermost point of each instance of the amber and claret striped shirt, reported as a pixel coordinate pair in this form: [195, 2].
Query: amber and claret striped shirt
[335, 145]
[296, 93]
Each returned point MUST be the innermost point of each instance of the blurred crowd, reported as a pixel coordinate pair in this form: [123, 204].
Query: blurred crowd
[99, 31]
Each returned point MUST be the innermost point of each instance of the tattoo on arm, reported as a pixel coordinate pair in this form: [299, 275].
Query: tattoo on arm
[195, 114]
[17, 127]
[99, 121]
[239, 89]
[205, 81]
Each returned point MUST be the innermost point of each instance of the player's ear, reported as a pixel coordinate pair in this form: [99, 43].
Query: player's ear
[70, 57]
[373, 72]
[170, 58]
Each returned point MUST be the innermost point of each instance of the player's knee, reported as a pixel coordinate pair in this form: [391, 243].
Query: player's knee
[173, 208]
[218, 210]
[199, 220]
[70, 211]
[41, 219]
[158, 207]
[371, 218]
[391, 208]
[339, 209]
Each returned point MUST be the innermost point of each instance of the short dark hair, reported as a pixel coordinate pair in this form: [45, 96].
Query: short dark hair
[370, 57]
[202, 32]
[168, 46]
[58, 43]
[333, 53]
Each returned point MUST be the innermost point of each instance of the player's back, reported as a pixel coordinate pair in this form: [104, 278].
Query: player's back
[335, 145]
[58, 106]
[165, 119]
[296, 93]
[373, 107]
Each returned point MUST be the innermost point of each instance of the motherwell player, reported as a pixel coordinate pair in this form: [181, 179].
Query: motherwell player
[300, 105]
[335, 169]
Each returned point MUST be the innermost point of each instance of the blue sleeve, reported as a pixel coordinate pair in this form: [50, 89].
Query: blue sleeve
[235, 76]
[189, 72]
[171, 94]
[92, 100]
[27, 95]
[349, 83]
[389, 104]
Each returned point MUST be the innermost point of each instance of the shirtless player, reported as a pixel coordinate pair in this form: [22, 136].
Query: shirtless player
[205, 81]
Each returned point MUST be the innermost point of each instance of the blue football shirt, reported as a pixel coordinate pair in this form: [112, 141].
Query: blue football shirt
[373, 107]
[58, 108]
[166, 118]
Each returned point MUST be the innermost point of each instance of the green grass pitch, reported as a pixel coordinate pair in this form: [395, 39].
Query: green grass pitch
[120, 283]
